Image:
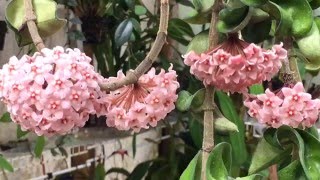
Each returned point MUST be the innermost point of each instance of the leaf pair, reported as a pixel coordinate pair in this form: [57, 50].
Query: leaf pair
[47, 22]
[285, 143]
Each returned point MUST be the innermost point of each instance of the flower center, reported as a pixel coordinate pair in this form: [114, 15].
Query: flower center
[295, 97]
[269, 103]
[59, 83]
[54, 105]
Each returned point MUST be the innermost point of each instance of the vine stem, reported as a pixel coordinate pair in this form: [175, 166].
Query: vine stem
[132, 76]
[273, 172]
[208, 106]
[30, 20]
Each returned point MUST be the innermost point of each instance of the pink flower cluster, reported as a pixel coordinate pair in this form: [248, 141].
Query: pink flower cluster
[142, 104]
[236, 65]
[290, 106]
[51, 92]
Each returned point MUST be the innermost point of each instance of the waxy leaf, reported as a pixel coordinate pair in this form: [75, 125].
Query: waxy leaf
[219, 162]
[203, 5]
[294, 17]
[47, 22]
[186, 100]
[200, 43]
[289, 172]
[309, 46]
[123, 32]
[265, 155]
[193, 171]
[239, 152]
[4, 164]
[5, 118]
[234, 20]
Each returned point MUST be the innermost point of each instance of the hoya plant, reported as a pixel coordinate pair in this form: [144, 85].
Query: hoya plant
[251, 61]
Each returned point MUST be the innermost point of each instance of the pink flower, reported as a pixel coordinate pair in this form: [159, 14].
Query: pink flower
[143, 104]
[290, 106]
[235, 65]
[51, 92]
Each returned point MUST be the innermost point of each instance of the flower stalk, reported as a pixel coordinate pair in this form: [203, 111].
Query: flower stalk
[208, 106]
[30, 20]
[132, 76]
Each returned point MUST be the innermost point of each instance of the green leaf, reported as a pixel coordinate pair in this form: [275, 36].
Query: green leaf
[257, 32]
[5, 118]
[224, 126]
[309, 154]
[195, 17]
[4, 164]
[40, 143]
[289, 172]
[313, 131]
[203, 5]
[256, 89]
[118, 171]
[200, 43]
[136, 24]
[251, 177]
[294, 17]
[179, 30]
[196, 129]
[184, 100]
[140, 10]
[20, 132]
[265, 155]
[47, 21]
[193, 171]
[233, 23]
[219, 162]
[254, 3]
[309, 46]
[123, 32]
[239, 152]
[140, 170]
[99, 172]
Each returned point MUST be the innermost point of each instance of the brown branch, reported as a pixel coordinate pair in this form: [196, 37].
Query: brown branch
[132, 76]
[30, 20]
[273, 172]
[208, 119]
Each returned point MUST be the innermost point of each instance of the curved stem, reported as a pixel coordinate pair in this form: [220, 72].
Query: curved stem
[30, 19]
[132, 76]
[208, 106]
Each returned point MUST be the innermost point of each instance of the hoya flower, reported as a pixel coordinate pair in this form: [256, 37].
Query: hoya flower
[144, 103]
[290, 106]
[235, 65]
[51, 92]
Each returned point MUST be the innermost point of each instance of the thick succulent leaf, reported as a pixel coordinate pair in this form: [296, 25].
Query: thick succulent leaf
[310, 157]
[295, 17]
[309, 46]
[195, 17]
[234, 20]
[266, 155]
[203, 5]
[233, 4]
[193, 171]
[313, 131]
[186, 100]
[199, 43]
[307, 144]
[179, 30]
[47, 22]
[219, 162]
[239, 152]
[224, 126]
[254, 3]
[257, 32]
[289, 172]
[123, 32]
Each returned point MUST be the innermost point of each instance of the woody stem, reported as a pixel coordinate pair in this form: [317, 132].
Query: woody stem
[132, 76]
[30, 20]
